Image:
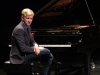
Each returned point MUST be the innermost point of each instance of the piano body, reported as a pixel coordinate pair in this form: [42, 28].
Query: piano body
[70, 39]
[66, 25]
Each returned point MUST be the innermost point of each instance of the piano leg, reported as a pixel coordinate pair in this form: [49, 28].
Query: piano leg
[87, 63]
[56, 65]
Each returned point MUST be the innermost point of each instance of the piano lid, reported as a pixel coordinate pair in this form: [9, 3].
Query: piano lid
[62, 13]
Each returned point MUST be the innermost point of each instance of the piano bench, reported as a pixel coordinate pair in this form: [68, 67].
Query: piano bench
[31, 68]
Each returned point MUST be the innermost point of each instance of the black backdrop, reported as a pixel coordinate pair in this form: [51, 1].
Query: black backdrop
[10, 16]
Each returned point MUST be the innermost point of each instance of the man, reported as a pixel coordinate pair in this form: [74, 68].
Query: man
[24, 48]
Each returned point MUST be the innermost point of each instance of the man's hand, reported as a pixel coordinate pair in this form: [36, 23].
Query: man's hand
[36, 49]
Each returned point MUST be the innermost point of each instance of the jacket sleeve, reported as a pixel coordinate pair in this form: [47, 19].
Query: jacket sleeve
[19, 36]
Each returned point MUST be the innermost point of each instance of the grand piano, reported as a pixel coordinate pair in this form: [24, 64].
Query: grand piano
[67, 25]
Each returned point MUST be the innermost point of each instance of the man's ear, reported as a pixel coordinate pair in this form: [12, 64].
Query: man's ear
[22, 17]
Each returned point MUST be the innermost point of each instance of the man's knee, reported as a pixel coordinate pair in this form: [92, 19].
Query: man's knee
[50, 54]
[47, 52]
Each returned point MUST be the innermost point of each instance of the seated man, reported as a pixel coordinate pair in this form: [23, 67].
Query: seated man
[24, 48]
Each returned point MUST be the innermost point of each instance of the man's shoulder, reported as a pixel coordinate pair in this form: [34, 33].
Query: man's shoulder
[20, 25]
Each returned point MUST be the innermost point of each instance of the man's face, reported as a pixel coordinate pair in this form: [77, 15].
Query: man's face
[27, 19]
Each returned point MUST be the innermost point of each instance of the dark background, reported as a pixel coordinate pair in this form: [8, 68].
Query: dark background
[10, 16]
[10, 10]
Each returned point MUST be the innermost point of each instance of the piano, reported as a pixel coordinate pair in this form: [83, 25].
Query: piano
[67, 25]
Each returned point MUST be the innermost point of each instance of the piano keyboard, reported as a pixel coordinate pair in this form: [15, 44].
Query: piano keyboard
[55, 45]
[51, 45]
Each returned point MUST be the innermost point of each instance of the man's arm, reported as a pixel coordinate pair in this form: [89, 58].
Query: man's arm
[20, 39]
[36, 46]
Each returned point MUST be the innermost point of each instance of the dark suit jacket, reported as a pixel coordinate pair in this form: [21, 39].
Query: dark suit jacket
[22, 43]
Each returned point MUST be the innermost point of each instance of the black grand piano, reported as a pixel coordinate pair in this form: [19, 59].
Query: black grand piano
[67, 25]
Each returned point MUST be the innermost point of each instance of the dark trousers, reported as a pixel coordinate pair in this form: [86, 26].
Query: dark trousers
[45, 55]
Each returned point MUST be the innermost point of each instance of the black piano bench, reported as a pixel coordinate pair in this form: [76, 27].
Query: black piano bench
[31, 68]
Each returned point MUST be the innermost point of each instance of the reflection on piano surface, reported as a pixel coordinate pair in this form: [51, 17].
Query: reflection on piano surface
[63, 24]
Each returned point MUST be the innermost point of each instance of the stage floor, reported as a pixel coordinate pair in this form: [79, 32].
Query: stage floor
[95, 71]
[75, 71]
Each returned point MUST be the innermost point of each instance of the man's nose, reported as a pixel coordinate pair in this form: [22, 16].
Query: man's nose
[29, 20]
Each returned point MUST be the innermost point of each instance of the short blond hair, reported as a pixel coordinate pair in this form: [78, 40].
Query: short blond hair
[27, 11]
